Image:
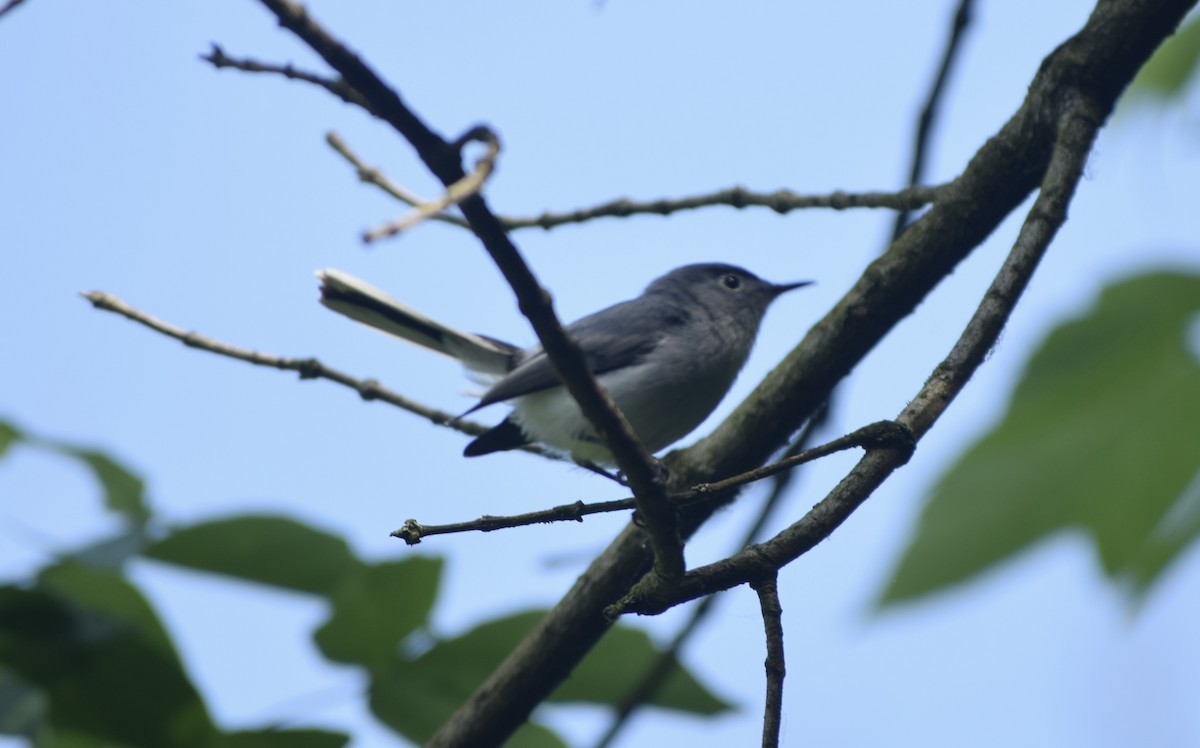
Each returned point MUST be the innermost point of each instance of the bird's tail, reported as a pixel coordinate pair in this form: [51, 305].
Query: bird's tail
[362, 302]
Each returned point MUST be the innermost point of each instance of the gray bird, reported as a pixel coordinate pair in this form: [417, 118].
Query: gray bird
[667, 358]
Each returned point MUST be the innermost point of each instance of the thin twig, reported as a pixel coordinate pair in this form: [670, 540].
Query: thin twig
[307, 368]
[958, 27]
[9, 6]
[1077, 128]
[374, 175]
[468, 186]
[781, 201]
[772, 613]
[876, 435]
[337, 87]
[414, 531]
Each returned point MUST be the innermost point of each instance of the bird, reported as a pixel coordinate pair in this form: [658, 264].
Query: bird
[667, 357]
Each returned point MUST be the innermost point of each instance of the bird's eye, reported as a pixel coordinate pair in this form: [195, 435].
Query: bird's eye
[731, 281]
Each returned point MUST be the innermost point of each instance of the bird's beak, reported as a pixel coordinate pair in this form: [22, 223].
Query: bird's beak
[781, 288]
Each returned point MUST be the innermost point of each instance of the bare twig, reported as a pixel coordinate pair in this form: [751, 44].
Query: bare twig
[1077, 129]
[468, 186]
[958, 27]
[414, 531]
[876, 435]
[9, 6]
[780, 201]
[307, 368]
[337, 87]
[772, 613]
[374, 175]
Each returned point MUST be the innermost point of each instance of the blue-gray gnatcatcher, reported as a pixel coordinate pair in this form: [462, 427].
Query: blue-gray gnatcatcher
[667, 358]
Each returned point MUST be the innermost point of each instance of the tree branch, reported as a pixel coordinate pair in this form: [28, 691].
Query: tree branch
[780, 201]
[218, 59]
[958, 27]
[666, 661]
[1077, 130]
[307, 368]
[413, 531]
[9, 6]
[772, 613]
[464, 188]
[374, 175]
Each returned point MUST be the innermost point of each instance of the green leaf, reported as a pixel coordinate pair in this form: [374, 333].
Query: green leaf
[533, 735]
[102, 677]
[416, 697]
[1167, 74]
[377, 607]
[1102, 437]
[112, 552]
[280, 739]
[271, 550]
[109, 594]
[22, 707]
[9, 435]
[124, 491]
[618, 665]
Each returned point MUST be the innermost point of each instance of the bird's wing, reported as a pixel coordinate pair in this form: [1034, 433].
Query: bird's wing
[609, 342]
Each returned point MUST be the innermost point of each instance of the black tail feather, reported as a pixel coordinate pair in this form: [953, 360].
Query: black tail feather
[506, 435]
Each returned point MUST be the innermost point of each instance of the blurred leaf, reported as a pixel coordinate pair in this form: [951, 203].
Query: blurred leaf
[533, 735]
[377, 607]
[617, 665]
[9, 435]
[109, 594]
[416, 697]
[70, 739]
[1167, 74]
[124, 491]
[271, 550]
[280, 739]
[101, 675]
[112, 552]
[22, 707]
[1102, 436]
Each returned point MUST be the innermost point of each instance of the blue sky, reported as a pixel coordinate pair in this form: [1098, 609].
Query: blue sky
[208, 198]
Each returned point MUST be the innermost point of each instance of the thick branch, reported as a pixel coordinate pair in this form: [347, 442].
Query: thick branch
[1077, 131]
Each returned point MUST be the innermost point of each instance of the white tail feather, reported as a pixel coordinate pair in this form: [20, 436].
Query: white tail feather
[362, 302]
